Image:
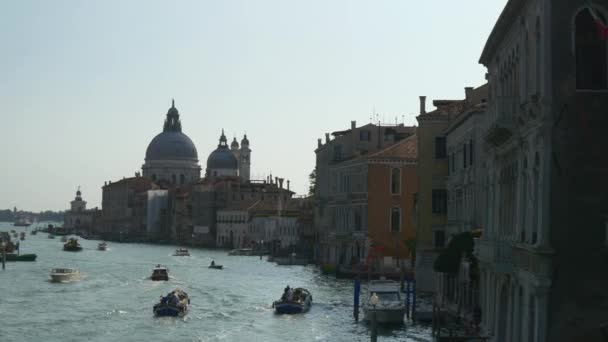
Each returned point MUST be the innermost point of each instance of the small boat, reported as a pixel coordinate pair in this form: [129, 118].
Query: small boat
[72, 246]
[216, 266]
[175, 303]
[390, 308]
[160, 273]
[241, 251]
[51, 236]
[181, 252]
[22, 222]
[22, 236]
[61, 275]
[20, 257]
[102, 246]
[34, 232]
[64, 239]
[293, 301]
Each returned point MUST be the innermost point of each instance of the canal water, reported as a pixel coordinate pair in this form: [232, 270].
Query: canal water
[114, 299]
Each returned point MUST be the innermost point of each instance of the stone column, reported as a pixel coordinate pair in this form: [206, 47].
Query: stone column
[525, 316]
[542, 295]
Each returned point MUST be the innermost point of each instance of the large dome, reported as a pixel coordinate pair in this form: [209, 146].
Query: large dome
[222, 158]
[171, 145]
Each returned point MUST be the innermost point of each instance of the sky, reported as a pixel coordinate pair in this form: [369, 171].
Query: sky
[85, 85]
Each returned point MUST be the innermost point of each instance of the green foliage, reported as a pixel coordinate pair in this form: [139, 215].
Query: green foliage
[312, 182]
[460, 245]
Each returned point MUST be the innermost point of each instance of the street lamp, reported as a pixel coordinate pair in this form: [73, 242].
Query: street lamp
[373, 301]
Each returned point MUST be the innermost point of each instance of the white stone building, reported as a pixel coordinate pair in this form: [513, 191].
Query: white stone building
[78, 217]
[232, 228]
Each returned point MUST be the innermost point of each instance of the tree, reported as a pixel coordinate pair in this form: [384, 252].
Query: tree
[312, 182]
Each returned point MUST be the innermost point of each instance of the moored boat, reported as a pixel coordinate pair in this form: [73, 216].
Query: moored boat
[72, 246]
[22, 222]
[293, 301]
[62, 275]
[102, 246]
[389, 309]
[20, 257]
[181, 252]
[241, 251]
[160, 273]
[175, 303]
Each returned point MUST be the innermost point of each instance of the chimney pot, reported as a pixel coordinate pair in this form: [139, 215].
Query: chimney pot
[353, 124]
[319, 142]
[422, 105]
[326, 137]
[468, 92]
[281, 183]
[288, 184]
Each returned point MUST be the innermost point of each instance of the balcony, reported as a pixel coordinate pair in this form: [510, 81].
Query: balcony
[501, 120]
[496, 253]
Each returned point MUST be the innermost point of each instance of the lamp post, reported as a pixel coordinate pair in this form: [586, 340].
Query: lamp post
[373, 301]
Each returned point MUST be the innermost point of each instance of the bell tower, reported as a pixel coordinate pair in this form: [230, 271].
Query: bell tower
[245, 160]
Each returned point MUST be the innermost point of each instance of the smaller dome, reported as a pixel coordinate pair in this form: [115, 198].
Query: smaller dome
[234, 144]
[222, 158]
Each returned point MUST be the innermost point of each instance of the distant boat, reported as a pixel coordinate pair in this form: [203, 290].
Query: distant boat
[300, 302]
[61, 275]
[102, 246]
[241, 251]
[160, 273]
[175, 303]
[51, 236]
[22, 236]
[216, 266]
[64, 239]
[20, 257]
[72, 246]
[181, 252]
[22, 222]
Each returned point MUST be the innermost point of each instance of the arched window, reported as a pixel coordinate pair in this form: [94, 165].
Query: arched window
[182, 179]
[154, 177]
[395, 219]
[590, 50]
[174, 179]
[395, 181]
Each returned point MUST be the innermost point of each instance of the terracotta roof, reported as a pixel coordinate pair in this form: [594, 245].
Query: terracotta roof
[406, 149]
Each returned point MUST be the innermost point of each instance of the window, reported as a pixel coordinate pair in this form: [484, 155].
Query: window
[357, 219]
[439, 238]
[364, 135]
[337, 153]
[182, 179]
[154, 177]
[470, 152]
[395, 181]
[440, 201]
[590, 51]
[440, 150]
[464, 156]
[174, 179]
[395, 219]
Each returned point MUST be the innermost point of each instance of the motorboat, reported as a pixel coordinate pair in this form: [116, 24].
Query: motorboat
[102, 246]
[160, 273]
[34, 232]
[390, 308]
[181, 252]
[293, 301]
[64, 239]
[20, 257]
[51, 236]
[72, 246]
[62, 275]
[215, 266]
[241, 251]
[175, 303]
[22, 222]
[22, 236]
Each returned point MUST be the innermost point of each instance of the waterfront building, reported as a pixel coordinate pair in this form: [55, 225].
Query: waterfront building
[342, 214]
[124, 208]
[171, 156]
[458, 289]
[78, 217]
[431, 199]
[543, 243]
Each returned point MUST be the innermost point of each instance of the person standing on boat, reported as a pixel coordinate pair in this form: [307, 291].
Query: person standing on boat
[212, 262]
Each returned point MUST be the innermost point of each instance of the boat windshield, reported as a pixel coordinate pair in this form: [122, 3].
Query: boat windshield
[388, 296]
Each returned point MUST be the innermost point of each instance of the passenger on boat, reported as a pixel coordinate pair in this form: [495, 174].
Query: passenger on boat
[212, 262]
[285, 293]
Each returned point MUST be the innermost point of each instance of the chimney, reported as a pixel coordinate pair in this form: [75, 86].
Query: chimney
[468, 93]
[326, 137]
[288, 184]
[353, 124]
[281, 183]
[319, 143]
[276, 180]
[422, 105]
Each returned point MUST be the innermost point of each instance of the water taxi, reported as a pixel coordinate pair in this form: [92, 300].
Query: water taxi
[181, 252]
[20, 257]
[160, 273]
[175, 303]
[62, 275]
[72, 246]
[390, 308]
[102, 246]
[293, 301]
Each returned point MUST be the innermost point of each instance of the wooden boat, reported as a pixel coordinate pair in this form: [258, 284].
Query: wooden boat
[72, 246]
[217, 267]
[175, 303]
[62, 275]
[20, 257]
[160, 273]
[293, 301]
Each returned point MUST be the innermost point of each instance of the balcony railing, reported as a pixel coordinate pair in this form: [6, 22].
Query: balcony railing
[501, 119]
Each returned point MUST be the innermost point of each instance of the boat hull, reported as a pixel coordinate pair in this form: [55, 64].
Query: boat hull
[22, 257]
[159, 277]
[64, 278]
[72, 249]
[164, 310]
[217, 267]
[385, 316]
[290, 308]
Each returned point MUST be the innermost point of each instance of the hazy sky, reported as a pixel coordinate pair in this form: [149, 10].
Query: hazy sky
[85, 85]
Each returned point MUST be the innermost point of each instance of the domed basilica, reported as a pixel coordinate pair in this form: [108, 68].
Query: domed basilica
[172, 157]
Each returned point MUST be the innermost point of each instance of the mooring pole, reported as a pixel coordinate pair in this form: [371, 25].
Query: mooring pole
[3, 256]
[413, 299]
[374, 337]
[407, 299]
[356, 298]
